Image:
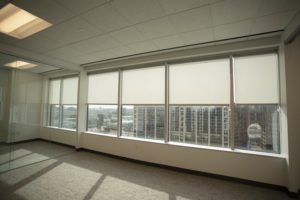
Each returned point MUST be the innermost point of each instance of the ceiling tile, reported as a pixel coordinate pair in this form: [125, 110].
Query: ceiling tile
[46, 9]
[138, 10]
[63, 53]
[103, 42]
[42, 68]
[233, 30]
[8, 39]
[80, 6]
[156, 28]
[121, 51]
[272, 22]
[105, 18]
[173, 6]
[192, 19]
[128, 35]
[82, 59]
[234, 10]
[196, 37]
[168, 42]
[102, 55]
[71, 31]
[268, 7]
[142, 47]
[84, 47]
[38, 43]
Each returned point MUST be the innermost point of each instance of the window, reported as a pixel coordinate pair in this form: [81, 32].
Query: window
[256, 103]
[63, 103]
[199, 103]
[205, 99]
[103, 103]
[143, 98]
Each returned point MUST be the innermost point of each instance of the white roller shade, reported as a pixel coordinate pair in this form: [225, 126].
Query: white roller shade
[70, 90]
[256, 79]
[205, 82]
[144, 86]
[54, 91]
[103, 88]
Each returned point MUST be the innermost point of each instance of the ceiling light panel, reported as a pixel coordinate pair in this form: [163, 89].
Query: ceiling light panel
[19, 23]
[20, 64]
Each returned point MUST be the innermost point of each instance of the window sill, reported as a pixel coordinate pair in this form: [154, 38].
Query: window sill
[63, 129]
[178, 144]
[143, 139]
[101, 134]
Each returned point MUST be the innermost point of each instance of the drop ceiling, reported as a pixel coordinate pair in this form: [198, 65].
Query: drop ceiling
[95, 30]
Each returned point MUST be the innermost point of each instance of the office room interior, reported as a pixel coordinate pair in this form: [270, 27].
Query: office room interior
[149, 99]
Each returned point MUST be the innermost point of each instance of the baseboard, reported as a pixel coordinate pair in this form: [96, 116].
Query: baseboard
[198, 173]
[54, 142]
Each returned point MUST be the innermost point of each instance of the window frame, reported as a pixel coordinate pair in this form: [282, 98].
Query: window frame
[231, 105]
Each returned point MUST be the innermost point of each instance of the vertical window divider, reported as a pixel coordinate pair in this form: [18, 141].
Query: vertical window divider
[60, 103]
[119, 132]
[232, 107]
[48, 116]
[167, 102]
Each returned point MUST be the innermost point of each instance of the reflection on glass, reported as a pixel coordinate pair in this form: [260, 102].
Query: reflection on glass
[203, 125]
[69, 116]
[103, 119]
[54, 115]
[143, 122]
[257, 127]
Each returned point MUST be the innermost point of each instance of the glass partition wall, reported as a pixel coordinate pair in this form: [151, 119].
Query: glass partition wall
[230, 102]
[21, 140]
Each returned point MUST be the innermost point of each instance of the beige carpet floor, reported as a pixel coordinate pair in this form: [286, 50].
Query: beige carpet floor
[84, 175]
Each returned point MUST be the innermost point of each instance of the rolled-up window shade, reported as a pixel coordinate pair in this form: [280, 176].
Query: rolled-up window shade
[205, 82]
[256, 79]
[54, 92]
[144, 86]
[70, 90]
[103, 88]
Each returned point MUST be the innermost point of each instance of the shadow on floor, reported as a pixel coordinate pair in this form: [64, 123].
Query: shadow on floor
[84, 175]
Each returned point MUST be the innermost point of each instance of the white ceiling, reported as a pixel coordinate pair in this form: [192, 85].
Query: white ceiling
[86, 31]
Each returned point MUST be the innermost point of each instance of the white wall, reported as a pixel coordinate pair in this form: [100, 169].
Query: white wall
[25, 114]
[63, 136]
[292, 53]
[5, 83]
[259, 168]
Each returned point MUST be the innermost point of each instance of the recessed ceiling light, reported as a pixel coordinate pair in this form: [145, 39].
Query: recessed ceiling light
[20, 64]
[19, 23]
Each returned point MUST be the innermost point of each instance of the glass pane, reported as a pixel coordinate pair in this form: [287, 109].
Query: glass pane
[205, 82]
[69, 116]
[256, 79]
[54, 91]
[144, 86]
[103, 119]
[257, 127]
[54, 115]
[69, 93]
[203, 125]
[143, 122]
[103, 88]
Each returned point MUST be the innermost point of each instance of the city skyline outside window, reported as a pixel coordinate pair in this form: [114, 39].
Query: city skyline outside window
[203, 125]
[103, 119]
[143, 121]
